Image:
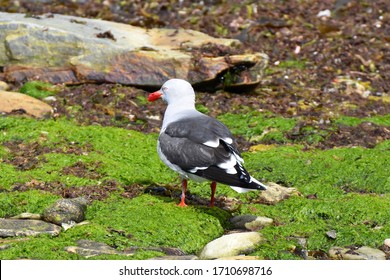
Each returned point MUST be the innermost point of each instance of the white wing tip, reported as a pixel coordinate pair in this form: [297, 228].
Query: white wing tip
[259, 183]
[241, 190]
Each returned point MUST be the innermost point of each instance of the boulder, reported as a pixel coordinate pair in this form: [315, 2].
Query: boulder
[67, 49]
[14, 102]
[231, 245]
[65, 211]
[17, 227]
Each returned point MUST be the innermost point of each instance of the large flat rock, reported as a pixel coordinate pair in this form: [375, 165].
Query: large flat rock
[16, 227]
[67, 49]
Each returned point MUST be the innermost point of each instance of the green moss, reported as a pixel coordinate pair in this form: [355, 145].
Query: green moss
[145, 221]
[311, 135]
[325, 172]
[354, 222]
[352, 121]
[128, 156]
[8, 176]
[351, 189]
[201, 108]
[298, 64]
[152, 221]
[14, 203]
[255, 126]
[38, 89]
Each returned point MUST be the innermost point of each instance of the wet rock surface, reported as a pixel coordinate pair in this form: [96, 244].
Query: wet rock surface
[89, 50]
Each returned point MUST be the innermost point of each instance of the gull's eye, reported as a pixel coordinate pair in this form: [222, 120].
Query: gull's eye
[164, 89]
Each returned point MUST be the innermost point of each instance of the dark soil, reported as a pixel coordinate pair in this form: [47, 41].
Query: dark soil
[92, 192]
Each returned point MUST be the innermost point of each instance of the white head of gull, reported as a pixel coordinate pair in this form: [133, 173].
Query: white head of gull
[197, 146]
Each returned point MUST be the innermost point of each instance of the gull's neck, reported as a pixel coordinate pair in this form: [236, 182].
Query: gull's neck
[179, 109]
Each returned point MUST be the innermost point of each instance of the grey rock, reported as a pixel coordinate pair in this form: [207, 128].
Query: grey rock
[331, 234]
[250, 222]
[72, 224]
[362, 253]
[65, 211]
[67, 49]
[5, 247]
[89, 248]
[231, 245]
[17, 227]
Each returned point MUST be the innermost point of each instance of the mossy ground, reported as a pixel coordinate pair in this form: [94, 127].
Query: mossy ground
[345, 189]
[308, 126]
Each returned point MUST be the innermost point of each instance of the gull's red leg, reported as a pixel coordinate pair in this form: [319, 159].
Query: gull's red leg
[213, 187]
[183, 193]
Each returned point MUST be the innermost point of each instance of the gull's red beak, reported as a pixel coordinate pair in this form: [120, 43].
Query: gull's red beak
[154, 96]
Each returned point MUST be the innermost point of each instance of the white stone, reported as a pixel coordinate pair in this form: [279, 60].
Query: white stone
[231, 245]
[324, 13]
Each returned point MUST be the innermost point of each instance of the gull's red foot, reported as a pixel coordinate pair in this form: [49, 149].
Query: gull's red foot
[183, 193]
[213, 187]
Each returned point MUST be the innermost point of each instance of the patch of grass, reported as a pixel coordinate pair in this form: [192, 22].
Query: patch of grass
[258, 127]
[311, 135]
[354, 221]
[297, 64]
[352, 195]
[128, 156]
[325, 172]
[145, 221]
[39, 89]
[353, 121]
[151, 221]
[350, 186]
[203, 109]
[14, 203]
